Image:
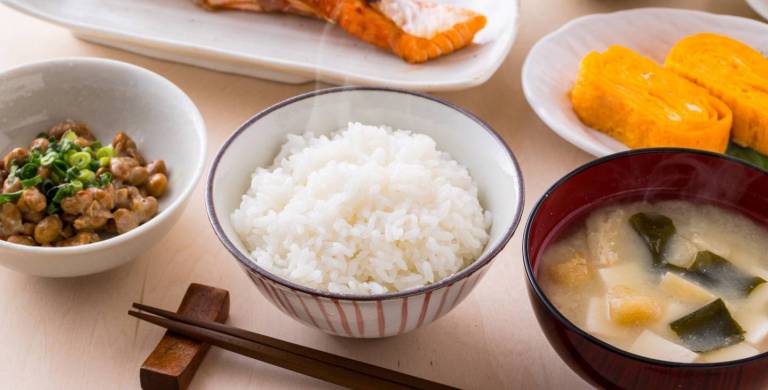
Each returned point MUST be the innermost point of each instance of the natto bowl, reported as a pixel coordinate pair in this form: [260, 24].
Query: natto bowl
[109, 96]
[468, 140]
[650, 175]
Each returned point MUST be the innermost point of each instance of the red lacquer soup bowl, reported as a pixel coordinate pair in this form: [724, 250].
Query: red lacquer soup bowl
[648, 174]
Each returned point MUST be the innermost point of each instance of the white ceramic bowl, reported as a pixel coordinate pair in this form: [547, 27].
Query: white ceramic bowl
[760, 6]
[468, 140]
[109, 96]
[552, 65]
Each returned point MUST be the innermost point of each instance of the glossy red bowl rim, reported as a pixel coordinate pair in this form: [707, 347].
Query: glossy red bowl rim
[533, 283]
[462, 274]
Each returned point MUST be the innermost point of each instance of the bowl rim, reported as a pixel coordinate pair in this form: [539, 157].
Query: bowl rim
[534, 285]
[198, 129]
[246, 261]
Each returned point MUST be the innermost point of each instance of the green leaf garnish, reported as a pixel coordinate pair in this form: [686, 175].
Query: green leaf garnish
[749, 155]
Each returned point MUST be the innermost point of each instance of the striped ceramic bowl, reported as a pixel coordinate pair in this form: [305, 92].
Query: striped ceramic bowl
[468, 140]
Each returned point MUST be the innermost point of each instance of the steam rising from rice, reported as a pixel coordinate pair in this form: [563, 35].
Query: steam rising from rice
[365, 210]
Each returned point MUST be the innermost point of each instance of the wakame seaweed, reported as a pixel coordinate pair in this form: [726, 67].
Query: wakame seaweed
[708, 328]
[713, 271]
[655, 230]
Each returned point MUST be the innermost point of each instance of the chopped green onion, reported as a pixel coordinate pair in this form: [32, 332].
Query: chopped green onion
[106, 151]
[94, 165]
[62, 192]
[49, 158]
[71, 174]
[26, 183]
[34, 156]
[59, 170]
[77, 186]
[65, 145]
[66, 190]
[80, 160]
[10, 197]
[12, 171]
[28, 171]
[69, 136]
[104, 161]
[86, 176]
[105, 178]
[96, 145]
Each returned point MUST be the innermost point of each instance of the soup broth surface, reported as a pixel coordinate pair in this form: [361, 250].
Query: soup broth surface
[672, 280]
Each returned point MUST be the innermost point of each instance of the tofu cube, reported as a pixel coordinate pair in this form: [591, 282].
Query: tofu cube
[598, 323]
[734, 352]
[685, 290]
[651, 345]
[753, 316]
[629, 308]
[627, 274]
[709, 240]
[675, 311]
[680, 251]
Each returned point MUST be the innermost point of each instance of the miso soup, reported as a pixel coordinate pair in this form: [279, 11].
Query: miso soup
[673, 280]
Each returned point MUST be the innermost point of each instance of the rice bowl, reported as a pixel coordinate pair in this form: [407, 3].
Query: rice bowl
[468, 140]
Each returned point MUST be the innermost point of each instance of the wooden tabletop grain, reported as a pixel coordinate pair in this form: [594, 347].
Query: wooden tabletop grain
[75, 333]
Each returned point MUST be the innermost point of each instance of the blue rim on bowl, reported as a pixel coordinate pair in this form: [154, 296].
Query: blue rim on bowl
[246, 261]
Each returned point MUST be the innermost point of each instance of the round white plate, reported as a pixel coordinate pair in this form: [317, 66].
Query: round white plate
[760, 6]
[552, 64]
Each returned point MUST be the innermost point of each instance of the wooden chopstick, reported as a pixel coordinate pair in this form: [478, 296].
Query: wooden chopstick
[318, 364]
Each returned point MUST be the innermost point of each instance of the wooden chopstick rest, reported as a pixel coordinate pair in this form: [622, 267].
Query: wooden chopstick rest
[318, 364]
[176, 358]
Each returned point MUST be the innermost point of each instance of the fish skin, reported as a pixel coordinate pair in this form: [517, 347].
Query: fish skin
[362, 19]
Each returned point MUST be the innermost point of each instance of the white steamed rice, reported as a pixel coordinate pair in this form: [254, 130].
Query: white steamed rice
[365, 210]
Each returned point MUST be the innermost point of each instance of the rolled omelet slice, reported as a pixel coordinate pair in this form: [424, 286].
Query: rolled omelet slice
[633, 99]
[735, 73]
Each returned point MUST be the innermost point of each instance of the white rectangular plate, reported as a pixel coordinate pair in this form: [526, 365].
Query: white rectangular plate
[283, 48]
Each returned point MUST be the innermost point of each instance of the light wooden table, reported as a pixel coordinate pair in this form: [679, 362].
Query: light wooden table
[75, 334]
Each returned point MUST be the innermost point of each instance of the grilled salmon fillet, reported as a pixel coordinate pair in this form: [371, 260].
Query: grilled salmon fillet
[415, 30]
